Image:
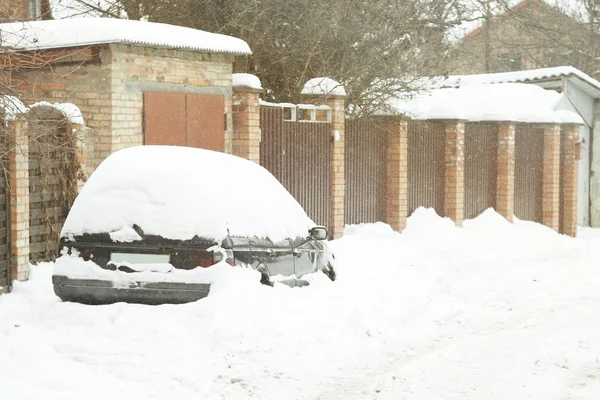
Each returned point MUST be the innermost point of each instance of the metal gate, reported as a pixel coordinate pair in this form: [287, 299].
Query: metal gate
[529, 168]
[184, 119]
[298, 154]
[366, 175]
[481, 167]
[426, 165]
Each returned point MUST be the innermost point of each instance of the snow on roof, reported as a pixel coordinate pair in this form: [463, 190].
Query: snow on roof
[69, 110]
[36, 35]
[11, 107]
[518, 76]
[324, 86]
[180, 192]
[516, 102]
[249, 80]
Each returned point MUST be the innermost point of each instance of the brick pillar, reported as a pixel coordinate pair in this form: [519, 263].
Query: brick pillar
[568, 198]
[551, 177]
[454, 173]
[397, 174]
[338, 170]
[505, 181]
[18, 168]
[246, 123]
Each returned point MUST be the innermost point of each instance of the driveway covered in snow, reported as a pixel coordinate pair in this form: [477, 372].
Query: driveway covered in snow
[490, 311]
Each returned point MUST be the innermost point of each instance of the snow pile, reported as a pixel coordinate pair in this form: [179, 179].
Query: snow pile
[11, 107]
[489, 311]
[516, 102]
[247, 80]
[179, 192]
[37, 35]
[323, 86]
[69, 110]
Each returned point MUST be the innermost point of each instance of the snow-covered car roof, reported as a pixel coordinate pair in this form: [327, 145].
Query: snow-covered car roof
[180, 192]
[75, 32]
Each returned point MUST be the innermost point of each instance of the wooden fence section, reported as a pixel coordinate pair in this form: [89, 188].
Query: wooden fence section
[298, 154]
[481, 167]
[426, 165]
[53, 171]
[366, 171]
[529, 166]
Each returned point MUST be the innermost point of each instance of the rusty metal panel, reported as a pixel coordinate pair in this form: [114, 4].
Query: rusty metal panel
[306, 167]
[298, 154]
[205, 118]
[366, 171]
[481, 167]
[271, 145]
[529, 166]
[426, 141]
[164, 119]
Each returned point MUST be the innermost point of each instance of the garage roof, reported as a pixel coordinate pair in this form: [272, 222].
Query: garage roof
[76, 32]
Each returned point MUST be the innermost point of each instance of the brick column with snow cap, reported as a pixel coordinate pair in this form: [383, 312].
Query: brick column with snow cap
[551, 177]
[246, 117]
[505, 180]
[569, 199]
[454, 171]
[18, 173]
[328, 91]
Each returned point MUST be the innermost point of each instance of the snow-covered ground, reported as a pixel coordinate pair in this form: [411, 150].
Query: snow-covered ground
[489, 311]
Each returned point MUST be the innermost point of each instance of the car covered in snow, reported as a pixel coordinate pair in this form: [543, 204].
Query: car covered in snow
[152, 222]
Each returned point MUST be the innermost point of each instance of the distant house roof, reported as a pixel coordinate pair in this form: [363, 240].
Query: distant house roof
[52, 34]
[529, 76]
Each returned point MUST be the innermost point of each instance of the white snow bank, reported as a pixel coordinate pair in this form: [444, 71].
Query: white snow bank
[515, 102]
[12, 107]
[323, 86]
[179, 192]
[37, 35]
[249, 80]
[490, 311]
[69, 110]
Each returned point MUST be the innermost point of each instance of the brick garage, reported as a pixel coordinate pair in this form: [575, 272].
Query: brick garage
[107, 78]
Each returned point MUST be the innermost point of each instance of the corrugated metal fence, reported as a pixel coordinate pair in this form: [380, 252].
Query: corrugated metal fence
[481, 167]
[426, 165]
[529, 166]
[298, 154]
[366, 165]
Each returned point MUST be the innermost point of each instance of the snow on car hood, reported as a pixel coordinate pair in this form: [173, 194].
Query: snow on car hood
[179, 192]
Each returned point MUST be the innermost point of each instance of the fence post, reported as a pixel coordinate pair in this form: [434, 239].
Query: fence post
[246, 122]
[454, 172]
[551, 177]
[505, 181]
[397, 174]
[337, 103]
[568, 202]
[18, 171]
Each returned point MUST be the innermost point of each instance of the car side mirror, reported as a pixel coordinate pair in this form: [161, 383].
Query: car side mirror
[319, 233]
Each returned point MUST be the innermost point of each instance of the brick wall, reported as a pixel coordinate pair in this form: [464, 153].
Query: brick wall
[568, 200]
[246, 123]
[551, 177]
[14, 10]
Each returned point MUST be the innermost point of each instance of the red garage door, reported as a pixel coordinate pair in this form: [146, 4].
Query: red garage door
[183, 119]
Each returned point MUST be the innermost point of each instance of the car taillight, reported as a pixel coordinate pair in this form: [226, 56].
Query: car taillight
[218, 257]
[200, 258]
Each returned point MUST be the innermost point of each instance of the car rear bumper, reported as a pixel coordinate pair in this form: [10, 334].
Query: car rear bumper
[91, 291]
